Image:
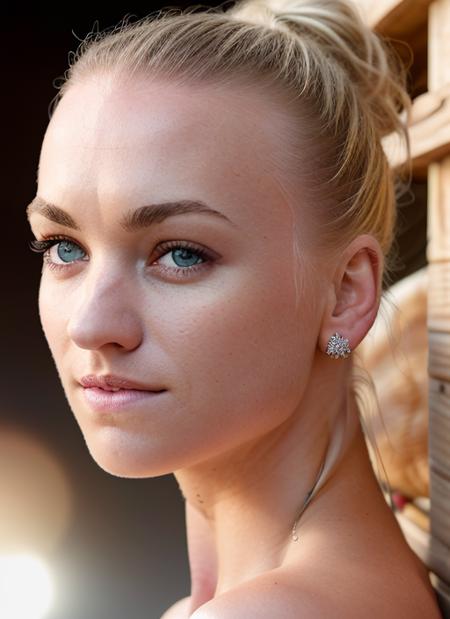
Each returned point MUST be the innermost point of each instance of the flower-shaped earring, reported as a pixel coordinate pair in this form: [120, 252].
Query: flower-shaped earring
[338, 347]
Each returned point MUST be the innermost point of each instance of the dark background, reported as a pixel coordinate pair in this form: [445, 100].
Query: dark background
[124, 551]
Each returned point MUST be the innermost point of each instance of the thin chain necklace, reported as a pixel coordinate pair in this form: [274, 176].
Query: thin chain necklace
[305, 503]
[337, 443]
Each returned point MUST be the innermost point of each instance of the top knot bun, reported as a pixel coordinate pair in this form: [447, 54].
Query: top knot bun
[335, 29]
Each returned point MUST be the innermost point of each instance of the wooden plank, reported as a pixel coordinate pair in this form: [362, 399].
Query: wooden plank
[395, 18]
[405, 25]
[438, 303]
[430, 121]
[438, 356]
[438, 227]
[439, 428]
[429, 131]
[440, 508]
[438, 309]
[439, 44]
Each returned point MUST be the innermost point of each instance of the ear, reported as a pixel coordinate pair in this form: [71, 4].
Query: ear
[355, 292]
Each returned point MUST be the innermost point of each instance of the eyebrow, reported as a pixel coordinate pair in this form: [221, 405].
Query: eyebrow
[133, 220]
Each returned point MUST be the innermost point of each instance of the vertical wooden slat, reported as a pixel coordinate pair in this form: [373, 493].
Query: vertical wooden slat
[430, 142]
[438, 44]
[438, 319]
[439, 216]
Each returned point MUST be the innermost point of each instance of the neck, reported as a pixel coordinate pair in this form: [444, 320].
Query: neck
[242, 506]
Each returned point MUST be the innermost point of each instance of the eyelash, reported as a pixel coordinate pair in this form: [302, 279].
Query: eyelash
[44, 246]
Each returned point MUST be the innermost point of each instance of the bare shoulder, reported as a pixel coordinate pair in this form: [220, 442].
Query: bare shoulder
[178, 610]
[349, 594]
[263, 598]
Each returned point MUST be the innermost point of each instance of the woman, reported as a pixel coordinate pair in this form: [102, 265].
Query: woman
[216, 214]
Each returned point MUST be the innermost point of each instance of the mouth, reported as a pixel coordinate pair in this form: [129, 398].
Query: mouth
[114, 389]
[109, 400]
[113, 382]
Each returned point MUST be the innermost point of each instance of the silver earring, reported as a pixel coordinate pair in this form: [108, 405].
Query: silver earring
[338, 347]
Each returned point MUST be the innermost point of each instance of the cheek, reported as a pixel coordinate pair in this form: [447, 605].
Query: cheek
[52, 314]
[242, 351]
[238, 356]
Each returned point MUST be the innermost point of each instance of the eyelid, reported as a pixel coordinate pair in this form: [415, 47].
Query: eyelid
[60, 237]
[208, 256]
[165, 243]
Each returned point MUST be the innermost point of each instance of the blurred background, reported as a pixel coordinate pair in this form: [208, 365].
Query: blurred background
[115, 547]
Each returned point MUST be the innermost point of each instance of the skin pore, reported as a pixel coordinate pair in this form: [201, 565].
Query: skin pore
[250, 396]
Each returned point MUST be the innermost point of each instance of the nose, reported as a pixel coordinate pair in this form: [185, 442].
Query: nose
[107, 312]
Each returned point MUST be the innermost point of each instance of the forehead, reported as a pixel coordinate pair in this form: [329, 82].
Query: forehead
[162, 120]
[136, 140]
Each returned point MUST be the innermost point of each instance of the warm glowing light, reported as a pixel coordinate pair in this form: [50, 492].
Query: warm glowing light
[26, 589]
[35, 494]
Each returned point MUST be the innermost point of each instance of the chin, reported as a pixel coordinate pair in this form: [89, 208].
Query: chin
[122, 458]
[123, 471]
[126, 468]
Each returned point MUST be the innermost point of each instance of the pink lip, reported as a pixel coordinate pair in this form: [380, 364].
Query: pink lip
[111, 381]
[101, 400]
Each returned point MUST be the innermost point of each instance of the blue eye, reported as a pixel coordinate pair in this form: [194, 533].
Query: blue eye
[65, 247]
[182, 253]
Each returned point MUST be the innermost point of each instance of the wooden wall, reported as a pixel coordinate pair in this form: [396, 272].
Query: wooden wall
[425, 26]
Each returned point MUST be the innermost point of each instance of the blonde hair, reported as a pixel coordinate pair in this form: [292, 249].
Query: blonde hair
[343, 88]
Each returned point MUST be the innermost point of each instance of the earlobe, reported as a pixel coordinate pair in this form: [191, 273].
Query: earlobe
[355, 300]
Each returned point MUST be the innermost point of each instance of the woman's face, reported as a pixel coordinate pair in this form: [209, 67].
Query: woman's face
[216, 324]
